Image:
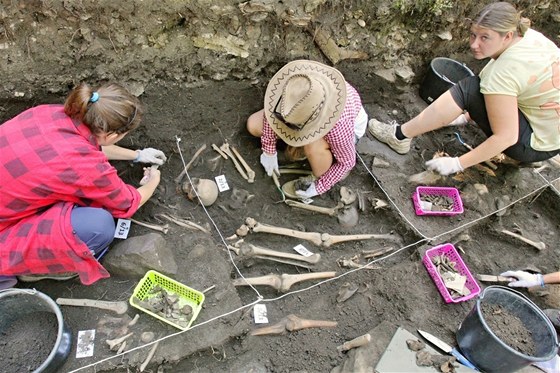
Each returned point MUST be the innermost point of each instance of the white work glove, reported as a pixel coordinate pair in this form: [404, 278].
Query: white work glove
[151, 155]
[444, 165]
[270, 163]
[524, 279]
[310, 192]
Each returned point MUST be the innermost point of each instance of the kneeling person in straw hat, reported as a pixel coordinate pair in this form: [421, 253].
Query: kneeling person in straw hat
[312, 108]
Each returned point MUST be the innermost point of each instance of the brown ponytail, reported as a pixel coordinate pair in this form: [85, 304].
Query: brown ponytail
[115, 111]
[502, 17]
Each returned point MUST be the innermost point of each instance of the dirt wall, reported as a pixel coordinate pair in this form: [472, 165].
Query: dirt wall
[48, 46]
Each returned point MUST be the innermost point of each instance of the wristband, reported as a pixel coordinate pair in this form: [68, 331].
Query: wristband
[541, 279]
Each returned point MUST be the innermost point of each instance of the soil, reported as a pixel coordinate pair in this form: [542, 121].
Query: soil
[509, 328]
[27, 342]
[397, 289]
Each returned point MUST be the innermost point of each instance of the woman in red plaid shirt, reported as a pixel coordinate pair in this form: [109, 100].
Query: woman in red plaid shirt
[312, 108]
[59, 194]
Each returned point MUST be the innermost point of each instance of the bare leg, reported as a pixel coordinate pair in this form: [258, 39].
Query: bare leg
[440, 113]
[319, 155]
[255, 123]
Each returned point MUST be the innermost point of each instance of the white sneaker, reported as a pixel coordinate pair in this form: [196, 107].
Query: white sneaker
[385, 132]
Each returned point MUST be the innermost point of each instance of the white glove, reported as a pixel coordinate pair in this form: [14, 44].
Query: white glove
[311, 191]
[270, 163]
[444, 165]
[524, 279]
[151, 155]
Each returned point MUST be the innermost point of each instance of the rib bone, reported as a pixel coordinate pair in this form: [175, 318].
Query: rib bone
[283, 282]
[536, 244]
[257, 227]
[119, 307]
[196, 154]
[293, 323]
[159, 228]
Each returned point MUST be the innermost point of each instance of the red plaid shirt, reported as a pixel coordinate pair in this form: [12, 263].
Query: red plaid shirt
[48, 164]
[341, 140]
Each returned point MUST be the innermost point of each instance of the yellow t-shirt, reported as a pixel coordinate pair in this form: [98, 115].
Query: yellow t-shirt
[530, 70]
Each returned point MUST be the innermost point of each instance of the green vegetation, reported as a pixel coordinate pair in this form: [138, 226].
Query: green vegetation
[435, 7]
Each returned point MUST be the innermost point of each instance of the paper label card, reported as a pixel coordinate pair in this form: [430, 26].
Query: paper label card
[302, 250]
[222, 183]
[260, 313]
[86, 341]
[123, 227]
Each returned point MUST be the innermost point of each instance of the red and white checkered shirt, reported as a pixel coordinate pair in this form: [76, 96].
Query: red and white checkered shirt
[341, 139]
[48, 164]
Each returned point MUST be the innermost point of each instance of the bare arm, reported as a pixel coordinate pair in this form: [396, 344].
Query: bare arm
[552, 278]
[117, 153]
[147, 190]
[504, 121]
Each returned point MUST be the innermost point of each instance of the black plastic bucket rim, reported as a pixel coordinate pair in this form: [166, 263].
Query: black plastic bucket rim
[443, 73]
[535, 307]
[63, 344]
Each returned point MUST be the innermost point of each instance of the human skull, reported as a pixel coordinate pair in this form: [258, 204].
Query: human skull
[206, 189]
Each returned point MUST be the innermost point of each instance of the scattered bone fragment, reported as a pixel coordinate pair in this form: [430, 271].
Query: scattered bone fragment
[113, 343]
[134, 320]
[167, 305]
[425, 178]
[330, 48]
[222, 154]
[188, 165]
[415, 344]
[121, 349]
[356, 342]
[293, 323]
[160, 228]
[380, 162]
[353, 263]
[283, 282]
[119, 307]
[348, 218]
[378, 203]
[539, 245]
[147, 337]
[346, 291]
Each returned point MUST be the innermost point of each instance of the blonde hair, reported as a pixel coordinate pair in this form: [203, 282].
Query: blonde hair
[112, 110]
[502, 17]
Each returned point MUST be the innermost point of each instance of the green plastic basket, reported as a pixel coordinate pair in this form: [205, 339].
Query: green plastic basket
[187, 296]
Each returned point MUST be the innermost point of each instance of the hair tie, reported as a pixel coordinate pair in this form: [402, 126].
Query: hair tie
[94, 97]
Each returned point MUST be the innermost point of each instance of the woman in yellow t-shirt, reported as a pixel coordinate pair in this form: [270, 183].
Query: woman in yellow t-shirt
[515, 99]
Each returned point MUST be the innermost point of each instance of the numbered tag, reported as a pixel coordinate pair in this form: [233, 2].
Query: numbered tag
[222, 183]
[84, 347]
[260, 313]
[302, 250]
[123, 227]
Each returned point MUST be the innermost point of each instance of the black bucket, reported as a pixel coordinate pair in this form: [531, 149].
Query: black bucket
[488, 352]
[16, 304]
[443, 74]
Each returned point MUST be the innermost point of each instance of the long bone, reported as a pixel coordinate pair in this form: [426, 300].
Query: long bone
[184, 223]
[272, 258]
[257, 227]
[329, 240]
[196, 154]
[252, 250]
[250, 172]
[539, 245]
[331, 211]
[283, 282]
[119, 307]
[293, 323]
[225, 148]
[222, 154]
[117, 341]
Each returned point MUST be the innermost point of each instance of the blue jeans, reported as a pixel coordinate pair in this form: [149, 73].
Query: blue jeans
[467, 95]
[95, 227]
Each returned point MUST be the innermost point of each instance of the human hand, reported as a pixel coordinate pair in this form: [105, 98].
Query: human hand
[270, 163]
[311, 191]
[150, 173]
[444, 165]
[524, 279]
[151, 155]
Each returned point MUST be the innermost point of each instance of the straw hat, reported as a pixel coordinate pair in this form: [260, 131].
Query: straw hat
[303, 101]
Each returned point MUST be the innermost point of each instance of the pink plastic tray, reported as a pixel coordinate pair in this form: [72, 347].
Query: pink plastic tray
[441, 191]
[450, 251]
